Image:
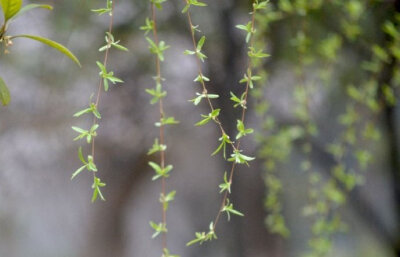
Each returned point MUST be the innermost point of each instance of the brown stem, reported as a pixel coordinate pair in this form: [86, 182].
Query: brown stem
[161, 109]
[110, 25]
[237, 146]
[249, 66]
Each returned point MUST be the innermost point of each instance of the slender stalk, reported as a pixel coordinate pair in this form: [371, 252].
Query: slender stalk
[218, 122]
[243, 116]
[200, 72]
[162, 137]
[99, 89]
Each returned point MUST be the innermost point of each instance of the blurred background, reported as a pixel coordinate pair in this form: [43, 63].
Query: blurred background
[332, 75]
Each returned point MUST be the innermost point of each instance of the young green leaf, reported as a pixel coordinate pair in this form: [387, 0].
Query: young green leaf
[199, 97]
[108, 9]
[29, 7]
[226, 186]
[167, 254]
[107, 76]
[157, 147]
[192, 2]
[158, 3]
[248, 28]
[201, 78]
[228, 208]
[157, 49]
[97, 184]
[149, 26]
[160, 172]
[239, 158]
[188, 52]
[90, 165]
[224, 140]
[157, 93]
[158, 228]
[110, 42]
[253, 53]
[207, 118]
[198, 52]
[200, 43]
[242, 130]
[10, 8]
[260, 5]
[91, 109]
[80, 155]
[4, 93]
[202, 237]
[165, 199]
[89, 134]
[166, 121]
[249, 78]
[53, 44]
[239, 101]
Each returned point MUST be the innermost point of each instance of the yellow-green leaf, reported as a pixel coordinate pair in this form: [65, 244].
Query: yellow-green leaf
[53, 44]
[32, 6]
[4, 93]
[10, 8]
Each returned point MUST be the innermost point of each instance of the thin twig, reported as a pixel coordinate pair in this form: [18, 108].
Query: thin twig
[237, 146]
[161, 108]
[99, 89]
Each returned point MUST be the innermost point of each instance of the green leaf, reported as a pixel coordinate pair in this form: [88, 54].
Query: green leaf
[80, 155]
[166, 121]
[192, 2]
[188, 52]
[239, 158]
[101, 67]
[165, 199]
[10, 8]
[149, 26]
[248, 28]
[228, 208]
[4, 93]
[239, 102]
[261, 5]
[166, 253]
[53, 44]
[202, 237]
[160, 172]
[226, 186]
[155, 167]
[108, 9]
[242, 130]
[201, 43]
[199, 97]
[90, 165]
[203, 121]
[207, 118]
[157, 93]
[224, 140]
[186, 8]
[97, 184]
[158, 228]
[157, 147]
[78, 171]
[201, 78]
[110, 42]
[92, 109]
[158, 50]
[32, 6]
